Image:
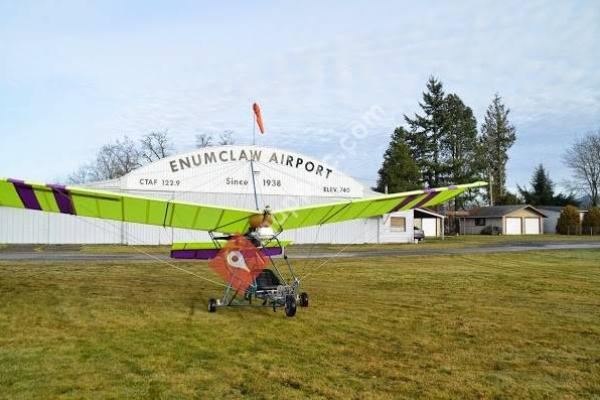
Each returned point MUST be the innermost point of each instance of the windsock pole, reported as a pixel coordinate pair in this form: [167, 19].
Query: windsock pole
[252, 172]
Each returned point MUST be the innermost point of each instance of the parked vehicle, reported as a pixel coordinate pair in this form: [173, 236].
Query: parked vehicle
[419, 234]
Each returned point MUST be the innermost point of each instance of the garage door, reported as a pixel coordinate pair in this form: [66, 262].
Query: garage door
[429, 227]
[513, 226]
[532, 226]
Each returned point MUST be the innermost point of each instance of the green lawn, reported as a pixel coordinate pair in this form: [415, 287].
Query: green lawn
[520, 325]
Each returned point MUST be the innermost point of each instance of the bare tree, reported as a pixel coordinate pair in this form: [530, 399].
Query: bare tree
[583, 158]
[226, 138]
[127, 154]
[84, 174]
[117, 159]
[106, 165]
[112, 161]
[124, 155]
[155, 146]
[204, 140]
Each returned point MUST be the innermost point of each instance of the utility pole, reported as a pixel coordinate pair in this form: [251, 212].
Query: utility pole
[491, 181]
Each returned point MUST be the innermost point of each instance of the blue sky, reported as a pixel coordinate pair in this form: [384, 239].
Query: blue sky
[74, 75]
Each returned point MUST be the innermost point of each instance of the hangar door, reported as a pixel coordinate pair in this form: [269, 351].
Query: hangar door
[532, 226]
[513, 226]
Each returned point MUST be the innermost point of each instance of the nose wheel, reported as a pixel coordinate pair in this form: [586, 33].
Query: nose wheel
[290, 305]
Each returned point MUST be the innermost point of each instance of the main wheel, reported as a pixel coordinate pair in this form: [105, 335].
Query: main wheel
[303, 299]
[290, 305]
[212, 305]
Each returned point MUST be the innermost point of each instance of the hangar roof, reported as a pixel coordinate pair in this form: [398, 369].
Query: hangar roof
[227, 169]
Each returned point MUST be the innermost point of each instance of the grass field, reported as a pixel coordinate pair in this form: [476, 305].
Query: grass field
[522, 325]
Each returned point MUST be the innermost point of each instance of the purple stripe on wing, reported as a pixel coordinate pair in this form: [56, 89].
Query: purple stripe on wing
[26, 194]
[404, 202]
[430, 196]
[63, 199]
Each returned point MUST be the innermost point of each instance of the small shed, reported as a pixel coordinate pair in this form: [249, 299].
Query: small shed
[505, 220]
[430, 222]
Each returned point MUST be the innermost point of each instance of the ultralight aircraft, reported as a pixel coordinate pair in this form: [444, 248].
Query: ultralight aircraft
[244, 241]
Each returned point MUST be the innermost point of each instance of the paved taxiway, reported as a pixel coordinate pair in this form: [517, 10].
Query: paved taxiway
[137, 255]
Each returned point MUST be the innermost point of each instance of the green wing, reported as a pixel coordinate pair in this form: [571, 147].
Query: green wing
[177, 214]
[122, 207]
[364, 208]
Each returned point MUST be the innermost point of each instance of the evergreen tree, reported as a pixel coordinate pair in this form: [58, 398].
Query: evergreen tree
[508, 199]
[460, 150]
[461, 156]
[498, 136]
[399, 171]
[564, 200]
[442, 142]
[542, 193]
[426, 131]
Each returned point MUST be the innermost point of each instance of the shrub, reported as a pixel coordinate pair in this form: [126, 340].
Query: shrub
[591, 221]
[569, 221]
[491, 230]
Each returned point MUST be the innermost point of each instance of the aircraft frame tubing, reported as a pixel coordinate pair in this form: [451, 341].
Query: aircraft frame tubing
[272, 298]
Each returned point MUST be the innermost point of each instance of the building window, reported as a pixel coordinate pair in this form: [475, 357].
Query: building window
[398, 224]
[479, 221]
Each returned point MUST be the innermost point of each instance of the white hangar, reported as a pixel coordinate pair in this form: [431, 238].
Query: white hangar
[220, 175]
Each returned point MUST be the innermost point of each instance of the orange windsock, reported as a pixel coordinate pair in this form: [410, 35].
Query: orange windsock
[259, 120]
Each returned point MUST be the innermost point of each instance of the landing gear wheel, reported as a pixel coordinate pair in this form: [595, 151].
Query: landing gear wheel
[290, 305]
[212, 305]
[303, 299]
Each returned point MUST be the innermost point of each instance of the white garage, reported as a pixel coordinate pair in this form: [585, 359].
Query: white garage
[513, 226]
[532, 226]
[504, 220]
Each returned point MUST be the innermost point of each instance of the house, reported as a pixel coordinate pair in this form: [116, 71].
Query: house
[505, 220]
[552, 214]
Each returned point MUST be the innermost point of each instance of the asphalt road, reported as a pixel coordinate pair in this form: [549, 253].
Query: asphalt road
[9, 255]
